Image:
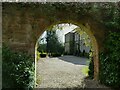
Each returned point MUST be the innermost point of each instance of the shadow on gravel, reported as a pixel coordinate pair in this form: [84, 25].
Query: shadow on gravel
[74, 60]
[93, 84]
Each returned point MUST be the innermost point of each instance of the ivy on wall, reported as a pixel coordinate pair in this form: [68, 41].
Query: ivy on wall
[105, 13]
[110, 61]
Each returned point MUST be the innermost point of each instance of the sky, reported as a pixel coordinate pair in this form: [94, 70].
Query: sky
[61, 33]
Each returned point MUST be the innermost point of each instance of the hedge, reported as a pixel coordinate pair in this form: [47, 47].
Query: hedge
[55, 54]
[110, 61]
[17, 70]
[42, 55]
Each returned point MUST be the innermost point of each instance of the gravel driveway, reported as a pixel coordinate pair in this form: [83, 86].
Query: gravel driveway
[60, 72]
[64, 72]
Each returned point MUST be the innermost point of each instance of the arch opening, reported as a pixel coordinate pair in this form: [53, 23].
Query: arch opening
[80, 27]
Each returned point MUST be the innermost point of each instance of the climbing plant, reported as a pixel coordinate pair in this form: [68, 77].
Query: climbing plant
[105, 13]
[110, 61]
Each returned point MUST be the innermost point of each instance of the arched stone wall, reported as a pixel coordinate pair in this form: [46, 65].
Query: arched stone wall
[94, 43]
[23, 25]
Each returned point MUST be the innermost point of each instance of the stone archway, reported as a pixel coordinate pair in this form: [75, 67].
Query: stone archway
[24, 23]
[94, 43]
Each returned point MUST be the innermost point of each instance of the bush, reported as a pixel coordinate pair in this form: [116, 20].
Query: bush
[38, 55]
[86, 55]
[55, 54]
[65, 53]
[42, 55]
[81, 54]
[91, 68]
[110, 61]
[18, 70]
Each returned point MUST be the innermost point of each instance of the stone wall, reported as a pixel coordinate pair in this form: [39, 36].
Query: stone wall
[23, 24]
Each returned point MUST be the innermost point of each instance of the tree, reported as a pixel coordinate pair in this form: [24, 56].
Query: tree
[53, 44]
[42, 48]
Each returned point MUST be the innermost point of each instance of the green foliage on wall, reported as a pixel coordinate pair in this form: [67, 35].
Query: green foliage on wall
[105, 13]
[91, 68]
[18, 69]
[110, 61]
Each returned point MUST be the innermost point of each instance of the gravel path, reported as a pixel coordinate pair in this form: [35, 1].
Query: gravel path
[63, 72]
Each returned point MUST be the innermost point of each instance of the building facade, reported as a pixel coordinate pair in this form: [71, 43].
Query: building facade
[69, 43]
[76, 43]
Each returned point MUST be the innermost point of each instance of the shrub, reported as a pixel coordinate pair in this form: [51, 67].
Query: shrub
[38, 55]
[81, 54]
[55, 54]
[110, 61]
[86, 55]
[65, 53]
[18, 69]
[42, 55]
[91, 68]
